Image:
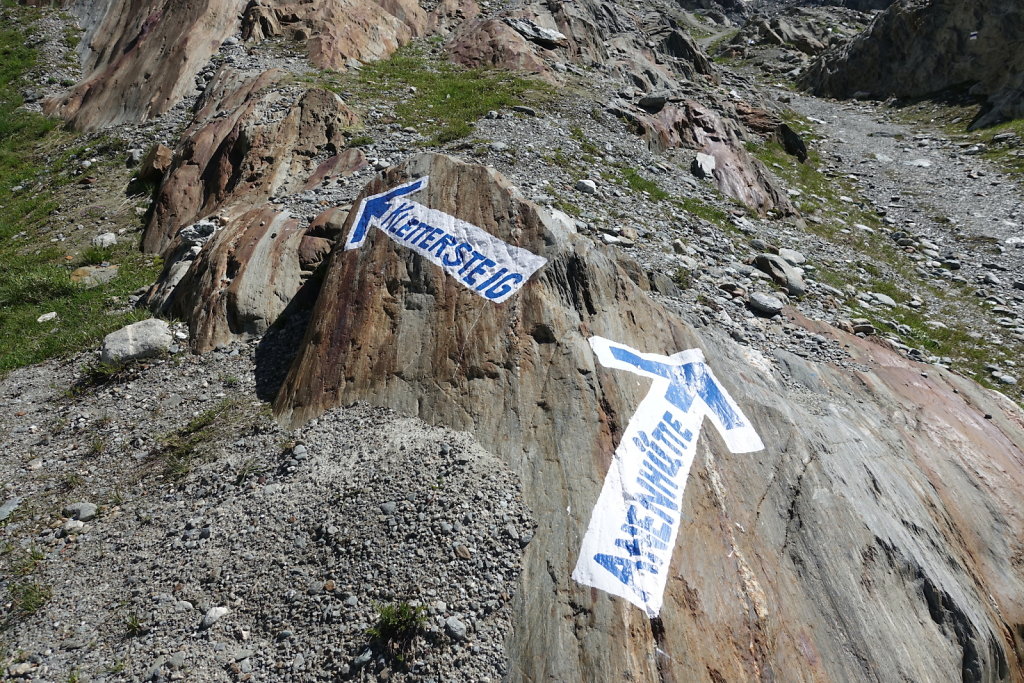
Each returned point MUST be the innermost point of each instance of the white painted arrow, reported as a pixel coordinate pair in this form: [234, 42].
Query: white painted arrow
[628, 545]
[480, 261]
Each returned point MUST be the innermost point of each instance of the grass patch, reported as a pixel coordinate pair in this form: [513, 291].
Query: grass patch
[585, 144]
[179, 451]
[27, 597]
[638, 183]
[702, 209]
[34, 273]
[447, 98]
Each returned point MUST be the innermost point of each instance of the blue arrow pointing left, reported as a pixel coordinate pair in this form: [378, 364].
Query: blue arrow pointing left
[372, 208]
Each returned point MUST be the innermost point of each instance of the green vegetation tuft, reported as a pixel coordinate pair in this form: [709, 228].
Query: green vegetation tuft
[396, 628]
[638, 183]
[180, 450]
[34, 272]
[27, 597]
[702, 209]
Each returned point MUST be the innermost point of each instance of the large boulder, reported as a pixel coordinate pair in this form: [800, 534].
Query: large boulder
[918, 48]
[877, 531]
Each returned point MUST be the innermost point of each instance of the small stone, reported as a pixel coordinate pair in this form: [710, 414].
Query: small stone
[22, 669]
[586, 186]
[212, 616]
[455, 628]
[105, 240]
[72, 526]
[84, 512]
[765, 304]
[329, 585]
[176, 661]
[990, 279]
[862, 326]
[463, 552]
[47, 317]
[389, 508]
[883, 299]
[9, 507]
[529, 111]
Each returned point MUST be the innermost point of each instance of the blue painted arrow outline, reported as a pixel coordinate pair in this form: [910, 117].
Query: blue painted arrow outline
[372, 208]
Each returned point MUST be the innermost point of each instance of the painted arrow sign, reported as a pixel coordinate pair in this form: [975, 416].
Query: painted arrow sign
[477, 259]
[628, 545]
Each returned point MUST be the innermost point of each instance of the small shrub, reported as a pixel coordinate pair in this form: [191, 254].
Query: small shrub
[398, 625]
[99, 375]
[179, 450]
[93, 256]
[71, 481]
[134, 627]
[683, 278]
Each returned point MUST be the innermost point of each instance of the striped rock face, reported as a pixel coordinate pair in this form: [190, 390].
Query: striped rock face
[855, 540]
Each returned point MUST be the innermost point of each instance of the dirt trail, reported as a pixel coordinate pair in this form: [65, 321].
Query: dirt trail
[919, 177]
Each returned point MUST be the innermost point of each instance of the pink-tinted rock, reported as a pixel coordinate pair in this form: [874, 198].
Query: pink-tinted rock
[266, 144]
[130, 45]
[878, 531]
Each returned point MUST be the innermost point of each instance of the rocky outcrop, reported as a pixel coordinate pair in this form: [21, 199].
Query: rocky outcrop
[493, 43]
[129, 43]
[242, 279]
[919, 48]
[737, 173]
[233, 261]
[878, 530]
[126, 51]
[540, 37]
[252, 138]
[340, 33]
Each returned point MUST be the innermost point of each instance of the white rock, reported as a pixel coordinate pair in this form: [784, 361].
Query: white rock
[703, 165]
[84, 512]
[140, 340]
[107, 239]
[587, 186]
[883, 299]
[212, 615]
[47, 317]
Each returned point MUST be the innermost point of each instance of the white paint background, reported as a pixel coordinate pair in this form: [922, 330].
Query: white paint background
[620, 487]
